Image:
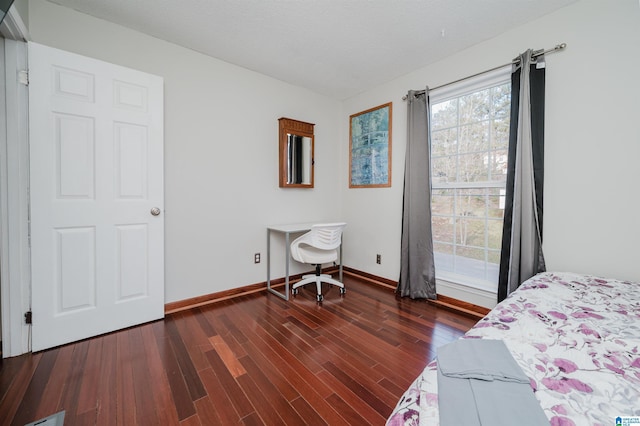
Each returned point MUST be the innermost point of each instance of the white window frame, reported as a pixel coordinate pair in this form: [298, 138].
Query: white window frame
[452, 91]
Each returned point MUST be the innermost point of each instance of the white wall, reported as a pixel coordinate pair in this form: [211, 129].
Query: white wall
[221, 151]
[216, 213]
[592, 142]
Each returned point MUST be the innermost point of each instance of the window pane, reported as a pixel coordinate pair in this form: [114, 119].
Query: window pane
[473, 167]
[475, 107]
[494, 234]
[494, 260]
[444, 114]
[443, 169]
[498, 167]
[495, 203]
[500, 134]
[471, 232]
[443, 229]
[470, 261]
[502, 100]
[443, 256]
[474, 137]
[470, 218]
[471, 202]
[444, 142]
[442, 202]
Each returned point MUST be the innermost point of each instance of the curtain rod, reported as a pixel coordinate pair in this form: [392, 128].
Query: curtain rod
[535, 54]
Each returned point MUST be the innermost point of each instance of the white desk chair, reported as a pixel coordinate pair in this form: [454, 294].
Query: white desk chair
[318, 246]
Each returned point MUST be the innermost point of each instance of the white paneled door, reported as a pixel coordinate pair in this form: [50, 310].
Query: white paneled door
[97, 205]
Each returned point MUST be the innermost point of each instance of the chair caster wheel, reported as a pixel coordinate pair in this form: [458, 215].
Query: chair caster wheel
[294, 291]
[319, 298]
[343, 290]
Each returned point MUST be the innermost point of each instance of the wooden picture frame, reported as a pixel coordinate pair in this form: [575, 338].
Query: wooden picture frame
[370, 148]
[296, 145]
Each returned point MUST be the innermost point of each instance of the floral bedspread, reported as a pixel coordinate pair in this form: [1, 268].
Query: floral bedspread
[576, 337]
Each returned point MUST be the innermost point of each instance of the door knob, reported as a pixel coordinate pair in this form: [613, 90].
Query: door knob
[155, 211]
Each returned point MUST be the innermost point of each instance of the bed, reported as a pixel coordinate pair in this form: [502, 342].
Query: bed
[577, 339]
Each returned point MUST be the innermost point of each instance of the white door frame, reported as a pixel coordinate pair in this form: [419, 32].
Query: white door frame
[15, 282]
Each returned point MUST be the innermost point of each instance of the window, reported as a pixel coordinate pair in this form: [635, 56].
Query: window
[469, 145]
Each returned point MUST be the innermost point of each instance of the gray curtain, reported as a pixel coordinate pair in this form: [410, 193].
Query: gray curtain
[521, 255]
[417, 271]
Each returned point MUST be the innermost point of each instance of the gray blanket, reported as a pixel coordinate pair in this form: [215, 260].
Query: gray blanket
[479, 383]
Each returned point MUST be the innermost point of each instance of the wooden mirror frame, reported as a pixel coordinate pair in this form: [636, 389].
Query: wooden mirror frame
[288, 126]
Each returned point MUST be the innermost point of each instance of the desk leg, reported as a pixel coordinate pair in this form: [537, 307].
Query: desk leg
[286, 282]
[268, 259]
[287, 255]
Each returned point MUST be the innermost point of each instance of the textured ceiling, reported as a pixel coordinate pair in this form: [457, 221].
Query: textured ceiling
[338, 48]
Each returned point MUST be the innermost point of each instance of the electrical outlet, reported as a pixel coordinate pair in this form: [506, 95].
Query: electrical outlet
[256, 258]
[378, 259]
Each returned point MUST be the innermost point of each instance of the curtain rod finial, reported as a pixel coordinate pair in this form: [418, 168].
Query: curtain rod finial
[561, 46]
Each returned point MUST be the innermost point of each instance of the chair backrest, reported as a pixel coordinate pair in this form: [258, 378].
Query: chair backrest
[326, 236]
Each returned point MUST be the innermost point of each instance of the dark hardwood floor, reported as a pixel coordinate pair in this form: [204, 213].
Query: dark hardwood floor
[251, 360]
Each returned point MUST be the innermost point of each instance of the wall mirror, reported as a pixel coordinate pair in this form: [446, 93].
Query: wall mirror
[296, 153]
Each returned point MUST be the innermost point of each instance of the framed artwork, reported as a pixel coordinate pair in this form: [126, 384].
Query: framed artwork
[370, 148]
